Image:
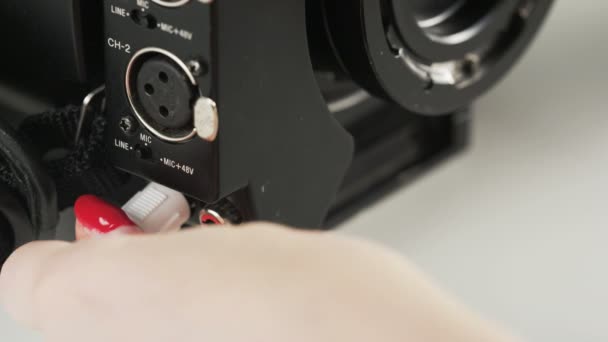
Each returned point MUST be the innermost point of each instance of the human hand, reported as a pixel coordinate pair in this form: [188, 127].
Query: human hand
[258, 282]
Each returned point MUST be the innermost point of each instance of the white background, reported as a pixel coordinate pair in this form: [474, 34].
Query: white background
[517, 227]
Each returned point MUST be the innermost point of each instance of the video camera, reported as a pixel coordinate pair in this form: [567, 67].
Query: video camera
[291, 111]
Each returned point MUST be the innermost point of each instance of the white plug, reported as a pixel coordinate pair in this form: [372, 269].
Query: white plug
[158, 209]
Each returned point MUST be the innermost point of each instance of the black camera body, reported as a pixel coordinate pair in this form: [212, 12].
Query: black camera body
[291, 110]
[275, 135]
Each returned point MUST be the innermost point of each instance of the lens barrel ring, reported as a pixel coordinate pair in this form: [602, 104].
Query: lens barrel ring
[397, 61]
[450, 35]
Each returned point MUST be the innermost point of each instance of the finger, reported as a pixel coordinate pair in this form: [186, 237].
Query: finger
[97, 218]
[20, 277]
[276, 284]
[106, 286]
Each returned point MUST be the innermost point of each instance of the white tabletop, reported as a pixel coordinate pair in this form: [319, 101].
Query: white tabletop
[517, 226]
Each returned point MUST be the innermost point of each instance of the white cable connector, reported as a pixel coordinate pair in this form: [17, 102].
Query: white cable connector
[158, 209]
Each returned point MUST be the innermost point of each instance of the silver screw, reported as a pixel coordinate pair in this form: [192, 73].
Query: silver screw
[127, 124]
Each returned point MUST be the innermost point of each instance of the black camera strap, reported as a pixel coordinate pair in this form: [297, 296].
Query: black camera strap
[27, 193]
[46, 170]
[76, 167]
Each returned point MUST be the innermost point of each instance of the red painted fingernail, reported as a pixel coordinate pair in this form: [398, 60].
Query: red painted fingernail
[100, 216]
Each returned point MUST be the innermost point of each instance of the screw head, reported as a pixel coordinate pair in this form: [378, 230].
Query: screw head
[127, 124]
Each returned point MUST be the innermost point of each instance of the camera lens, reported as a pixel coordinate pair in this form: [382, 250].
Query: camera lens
[430, 57]
[448, 21]
[425, 10]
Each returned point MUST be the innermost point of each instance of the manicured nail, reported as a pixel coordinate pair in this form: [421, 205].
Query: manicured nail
[96, 217]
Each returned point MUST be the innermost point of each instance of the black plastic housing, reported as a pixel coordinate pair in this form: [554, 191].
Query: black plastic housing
[278, 142]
